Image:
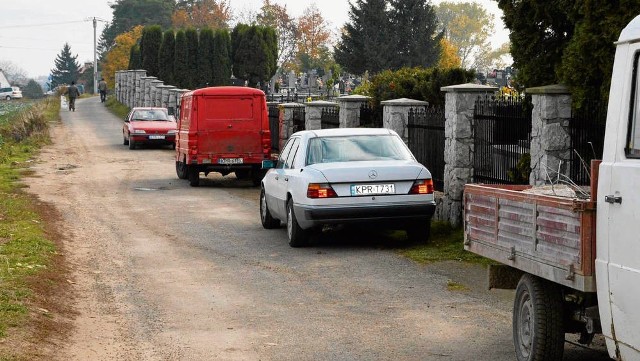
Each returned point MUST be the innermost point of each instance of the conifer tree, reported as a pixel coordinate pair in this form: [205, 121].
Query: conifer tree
[221, 62]
[151, 40]
[166, 56]
[191, 36]
[181, 67]
[67, 67]
[205, 58]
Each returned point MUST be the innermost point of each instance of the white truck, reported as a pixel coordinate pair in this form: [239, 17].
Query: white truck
[575, 263]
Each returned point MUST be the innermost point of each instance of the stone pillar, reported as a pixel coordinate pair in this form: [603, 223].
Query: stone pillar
[286, 121]
[164, 95]
[350, 110]
[116, 85]
[395, 115]
[138, 74]
[458, 151]
[155, 92]
[128, 86]
[313, 113]
[146, 89]
[550, 138]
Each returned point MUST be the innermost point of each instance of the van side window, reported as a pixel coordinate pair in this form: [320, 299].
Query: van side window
[285, 152]
[633, 133]
[292, 154]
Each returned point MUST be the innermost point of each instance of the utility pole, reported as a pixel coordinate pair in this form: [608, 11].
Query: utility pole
[95, 57]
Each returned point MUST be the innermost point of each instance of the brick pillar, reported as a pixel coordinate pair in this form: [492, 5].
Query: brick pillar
[350, 110]
[459, 149]
[550, 137]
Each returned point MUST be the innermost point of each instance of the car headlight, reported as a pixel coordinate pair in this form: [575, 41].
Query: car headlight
[139, 131]
[172, 131]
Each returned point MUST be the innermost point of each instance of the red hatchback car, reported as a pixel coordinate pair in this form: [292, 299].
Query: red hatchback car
[149, 126]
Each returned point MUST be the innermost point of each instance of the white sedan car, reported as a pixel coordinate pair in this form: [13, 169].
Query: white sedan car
[339, 176]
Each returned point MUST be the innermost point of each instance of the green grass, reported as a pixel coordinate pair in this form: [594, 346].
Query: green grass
[24, 249]
[117, 108]
[445, 244]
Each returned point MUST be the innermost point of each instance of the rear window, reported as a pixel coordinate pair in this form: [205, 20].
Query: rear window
[357, 148]
[228, 109]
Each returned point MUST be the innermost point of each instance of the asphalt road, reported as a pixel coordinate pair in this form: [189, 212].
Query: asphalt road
[164, 271]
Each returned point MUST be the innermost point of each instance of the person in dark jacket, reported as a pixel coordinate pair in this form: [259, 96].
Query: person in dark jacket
[102, 88]
[72, 92]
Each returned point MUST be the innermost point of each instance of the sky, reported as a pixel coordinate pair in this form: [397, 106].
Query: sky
[33, 32]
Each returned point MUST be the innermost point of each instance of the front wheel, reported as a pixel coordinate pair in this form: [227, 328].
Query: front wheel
[298, 237]
[132, 144]
[538, 333]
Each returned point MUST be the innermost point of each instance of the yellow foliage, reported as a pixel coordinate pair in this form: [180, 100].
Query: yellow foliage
[449, 57]
[118, 57]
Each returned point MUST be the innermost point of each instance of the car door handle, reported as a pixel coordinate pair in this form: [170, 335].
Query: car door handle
[613, 199]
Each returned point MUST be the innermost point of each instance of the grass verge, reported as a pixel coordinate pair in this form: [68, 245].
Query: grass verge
[25, 251]
[445, 244]
[117, 108]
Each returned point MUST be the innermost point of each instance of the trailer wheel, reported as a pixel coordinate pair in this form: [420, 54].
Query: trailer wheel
[538, 333]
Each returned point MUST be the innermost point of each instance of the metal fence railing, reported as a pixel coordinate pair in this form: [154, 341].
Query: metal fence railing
[274, 126]
[330, 118]
[502, 132]
[427, 141]
[298, 119]
[370, 116]
[586, 129]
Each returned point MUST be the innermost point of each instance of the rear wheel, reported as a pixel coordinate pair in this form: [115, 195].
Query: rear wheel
[419, 232]
[8, 97]
[298, 237]
[194, 176]
[268, 222]
[181, 170]
[538, 333]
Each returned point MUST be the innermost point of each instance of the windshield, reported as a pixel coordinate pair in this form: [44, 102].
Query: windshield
[147, 114]
[357, 148]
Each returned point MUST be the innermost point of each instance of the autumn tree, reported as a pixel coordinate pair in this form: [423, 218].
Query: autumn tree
[221, 62]
[66, 68]
[254, 53]
[449, 58]
[276, 16]
[130, 13]
[181, 61]
[313, 34]
[166, 57]
[150, 48]
[118, 58]
[205, 58]
[363, 46]
[214, 14]
[467, 26]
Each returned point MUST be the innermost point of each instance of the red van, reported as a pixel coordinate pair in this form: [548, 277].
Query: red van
[223, 129]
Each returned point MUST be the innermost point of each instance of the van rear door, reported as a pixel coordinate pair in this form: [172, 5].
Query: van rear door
[230, 125]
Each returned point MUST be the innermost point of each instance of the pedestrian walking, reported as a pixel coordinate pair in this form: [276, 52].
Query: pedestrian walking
[102, 88]
[72, 92]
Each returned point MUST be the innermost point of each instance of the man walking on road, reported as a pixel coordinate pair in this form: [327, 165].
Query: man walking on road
[102, 88]
[73, 93]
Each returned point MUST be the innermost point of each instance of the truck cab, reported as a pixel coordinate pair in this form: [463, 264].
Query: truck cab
[617, 262]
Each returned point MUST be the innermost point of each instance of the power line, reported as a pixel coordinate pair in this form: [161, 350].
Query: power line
[23, 48]
[43, 24]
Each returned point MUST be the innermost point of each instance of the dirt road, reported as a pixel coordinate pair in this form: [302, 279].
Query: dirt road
[164, 271]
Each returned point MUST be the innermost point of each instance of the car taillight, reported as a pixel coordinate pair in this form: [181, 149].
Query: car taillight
[422, 186]
[266, 142]
[320, 190]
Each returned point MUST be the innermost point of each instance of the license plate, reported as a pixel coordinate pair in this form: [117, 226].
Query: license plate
[230, 161]
[156, 137]
[368, 189]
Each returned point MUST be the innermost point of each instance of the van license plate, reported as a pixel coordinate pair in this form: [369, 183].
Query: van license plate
[230, 161]
[367, 189]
